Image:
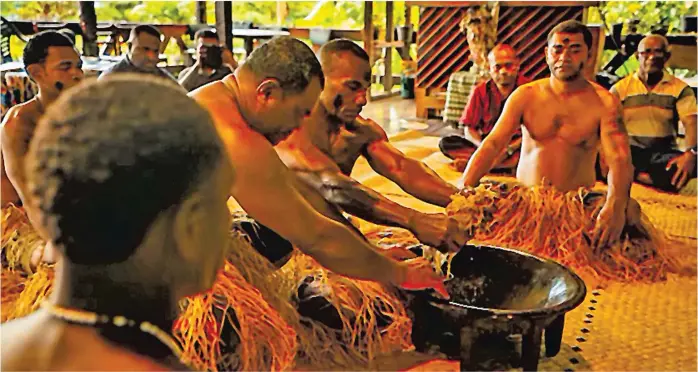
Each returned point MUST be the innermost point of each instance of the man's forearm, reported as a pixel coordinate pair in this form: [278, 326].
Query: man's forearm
[423, 183]
[482, 161]
[619, 181]
[357, 199]
[336, 249]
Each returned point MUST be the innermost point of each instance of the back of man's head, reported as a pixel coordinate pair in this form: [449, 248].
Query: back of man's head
[287, 60]
[336, 46]
[36, 49]
[109, 157]
[572, 27]
[502, 49]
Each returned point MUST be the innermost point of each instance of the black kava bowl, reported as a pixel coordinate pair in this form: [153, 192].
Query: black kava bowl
[502, 302]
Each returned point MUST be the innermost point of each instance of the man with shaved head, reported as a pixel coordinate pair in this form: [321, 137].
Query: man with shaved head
[653, 104]
[483, 109]
[563, 119]
[323, 152]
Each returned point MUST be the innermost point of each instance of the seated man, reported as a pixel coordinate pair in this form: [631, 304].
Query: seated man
[563, 119]
[653, 104]
[52, 62]
[143, 54]
[484, 108]
[213, 61]
[323, 153]
[128, 194]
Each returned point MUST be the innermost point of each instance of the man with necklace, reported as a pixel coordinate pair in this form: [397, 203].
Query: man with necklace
[105, 179]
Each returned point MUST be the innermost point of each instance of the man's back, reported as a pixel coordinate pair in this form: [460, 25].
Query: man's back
[561, 134]
[17, 131]
[40, 342]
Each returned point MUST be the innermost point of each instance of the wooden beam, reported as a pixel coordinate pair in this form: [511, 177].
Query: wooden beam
[224, 22]
[368, 37]
[388, 59]
[201, 12]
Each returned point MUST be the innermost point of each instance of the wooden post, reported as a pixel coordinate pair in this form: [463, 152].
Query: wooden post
[368, 37]
[201, 12]
[281, 12]
[388, 59]
[224, 22]
[88, 23]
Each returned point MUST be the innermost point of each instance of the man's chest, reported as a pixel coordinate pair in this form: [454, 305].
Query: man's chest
[346, 145]
[573, 122]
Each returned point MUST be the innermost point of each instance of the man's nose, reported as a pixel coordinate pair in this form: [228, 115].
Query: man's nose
[77, 73]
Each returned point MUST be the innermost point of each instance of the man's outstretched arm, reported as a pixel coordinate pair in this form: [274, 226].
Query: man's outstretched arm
[497, 141]
[435, 230]
[413, 176]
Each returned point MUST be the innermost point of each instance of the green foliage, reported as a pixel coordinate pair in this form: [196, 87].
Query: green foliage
[57, 11]
[650, 14]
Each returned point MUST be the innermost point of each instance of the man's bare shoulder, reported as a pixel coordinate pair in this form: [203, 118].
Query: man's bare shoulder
[17, 346]
[608, 99]
[18, 127]
[209, 92]
[20, 116]
[530, 91]
[370, 129]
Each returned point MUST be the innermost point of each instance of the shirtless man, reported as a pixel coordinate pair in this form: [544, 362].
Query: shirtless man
[257, 106]
[51, 61]
[323, 153]
[126, 234]
[563, 118]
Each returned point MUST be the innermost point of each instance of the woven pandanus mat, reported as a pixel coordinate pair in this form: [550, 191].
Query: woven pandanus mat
[675, 214]
[626, 327]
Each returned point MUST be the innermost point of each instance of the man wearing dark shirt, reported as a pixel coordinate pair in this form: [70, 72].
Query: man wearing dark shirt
[483, 109]
[213, 61]
[143, 54]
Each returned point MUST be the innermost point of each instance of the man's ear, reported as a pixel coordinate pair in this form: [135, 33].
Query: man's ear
[269, 89]
[187, 230]
[35, 71]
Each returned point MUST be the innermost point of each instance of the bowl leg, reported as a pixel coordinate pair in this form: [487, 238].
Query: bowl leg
[553, 336]
[530, 348]
[468, 336]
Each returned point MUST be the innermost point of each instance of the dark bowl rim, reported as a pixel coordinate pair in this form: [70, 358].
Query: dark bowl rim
[560, 308]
